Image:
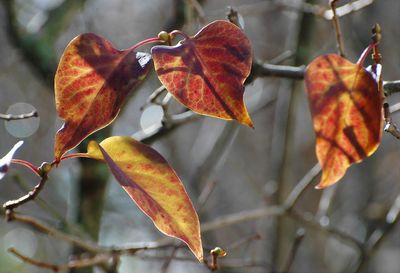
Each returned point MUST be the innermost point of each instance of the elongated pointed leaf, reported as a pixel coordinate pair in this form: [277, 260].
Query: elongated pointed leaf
[91, 83]
[206, 72]
[346, 110]
[6, 160]
[154, 186]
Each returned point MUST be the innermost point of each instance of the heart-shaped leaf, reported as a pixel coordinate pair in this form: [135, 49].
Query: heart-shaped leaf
[346, 110]
[6, 160]
[91, 83]
[154, 186]
[206, 72]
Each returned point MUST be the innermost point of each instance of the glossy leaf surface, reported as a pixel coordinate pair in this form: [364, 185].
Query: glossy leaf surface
[154, 186]
[206, 72]
[6, 160]
[91, 83]
[346, 110]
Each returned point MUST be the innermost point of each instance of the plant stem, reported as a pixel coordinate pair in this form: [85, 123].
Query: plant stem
[9, 117]
[335, 20]
[174, 32]
[9, 206]
[75, 155]
[145, 42]
[364, 54]
[28, 165]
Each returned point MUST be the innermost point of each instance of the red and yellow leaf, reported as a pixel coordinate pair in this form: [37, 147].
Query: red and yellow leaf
[154, 186]
[206, 72]
[346, 109]
[91, 83]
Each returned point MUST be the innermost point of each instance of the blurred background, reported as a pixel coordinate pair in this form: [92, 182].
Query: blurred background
[226, 168]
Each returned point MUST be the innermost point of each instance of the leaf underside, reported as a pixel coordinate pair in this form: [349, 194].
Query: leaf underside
[346, 111]
[206, 72]
[92, 81]
[153, 185]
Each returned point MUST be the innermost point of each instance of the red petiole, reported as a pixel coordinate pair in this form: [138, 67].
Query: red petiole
[145, 42]
[365, 53]
[28, 165]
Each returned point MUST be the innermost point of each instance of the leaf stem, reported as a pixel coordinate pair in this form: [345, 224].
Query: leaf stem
[28, 165]
[145, 42]
[85, 155]
[174, 32]
[365, 53]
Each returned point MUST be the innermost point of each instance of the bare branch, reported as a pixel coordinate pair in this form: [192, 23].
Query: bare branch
[390, 126]
[78, 263]
[199, 9]
[9, 117]
[379, 235]
[293, 250]
[86, 245]
[321, 11]
[12, 204]
[335, 20]
[347, 8]
[260, 69]
[391, 87]
[277, 210]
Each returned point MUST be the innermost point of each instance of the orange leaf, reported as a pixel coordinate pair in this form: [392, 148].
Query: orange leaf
[91, 83]
[346, 110]
[154, 186]
[206, 72]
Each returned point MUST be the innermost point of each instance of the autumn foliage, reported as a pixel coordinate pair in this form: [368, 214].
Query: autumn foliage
[205, 73]
[346, 108]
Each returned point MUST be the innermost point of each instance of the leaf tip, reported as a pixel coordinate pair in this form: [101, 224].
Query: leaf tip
[246, 120]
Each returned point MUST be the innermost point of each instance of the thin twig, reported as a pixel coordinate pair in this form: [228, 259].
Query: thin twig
[301, 186]
[243, 240]
[243, 216]
[34, 223]
[78, 263]
[390, 126]
[335, 20]
[12, 204]
[199, 9]
[9, 117]
[348, 8]
[309, 221]
[293, 250]
[205, 194]
[322, 11]
[391, 87]
[167, 263]
[260, 69]
[325, 203]
[153, 98]
[379, 235]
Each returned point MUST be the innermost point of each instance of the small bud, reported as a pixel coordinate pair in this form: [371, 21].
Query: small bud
[164, 36]
[376, 28]
[45, 168]
[218, 252]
